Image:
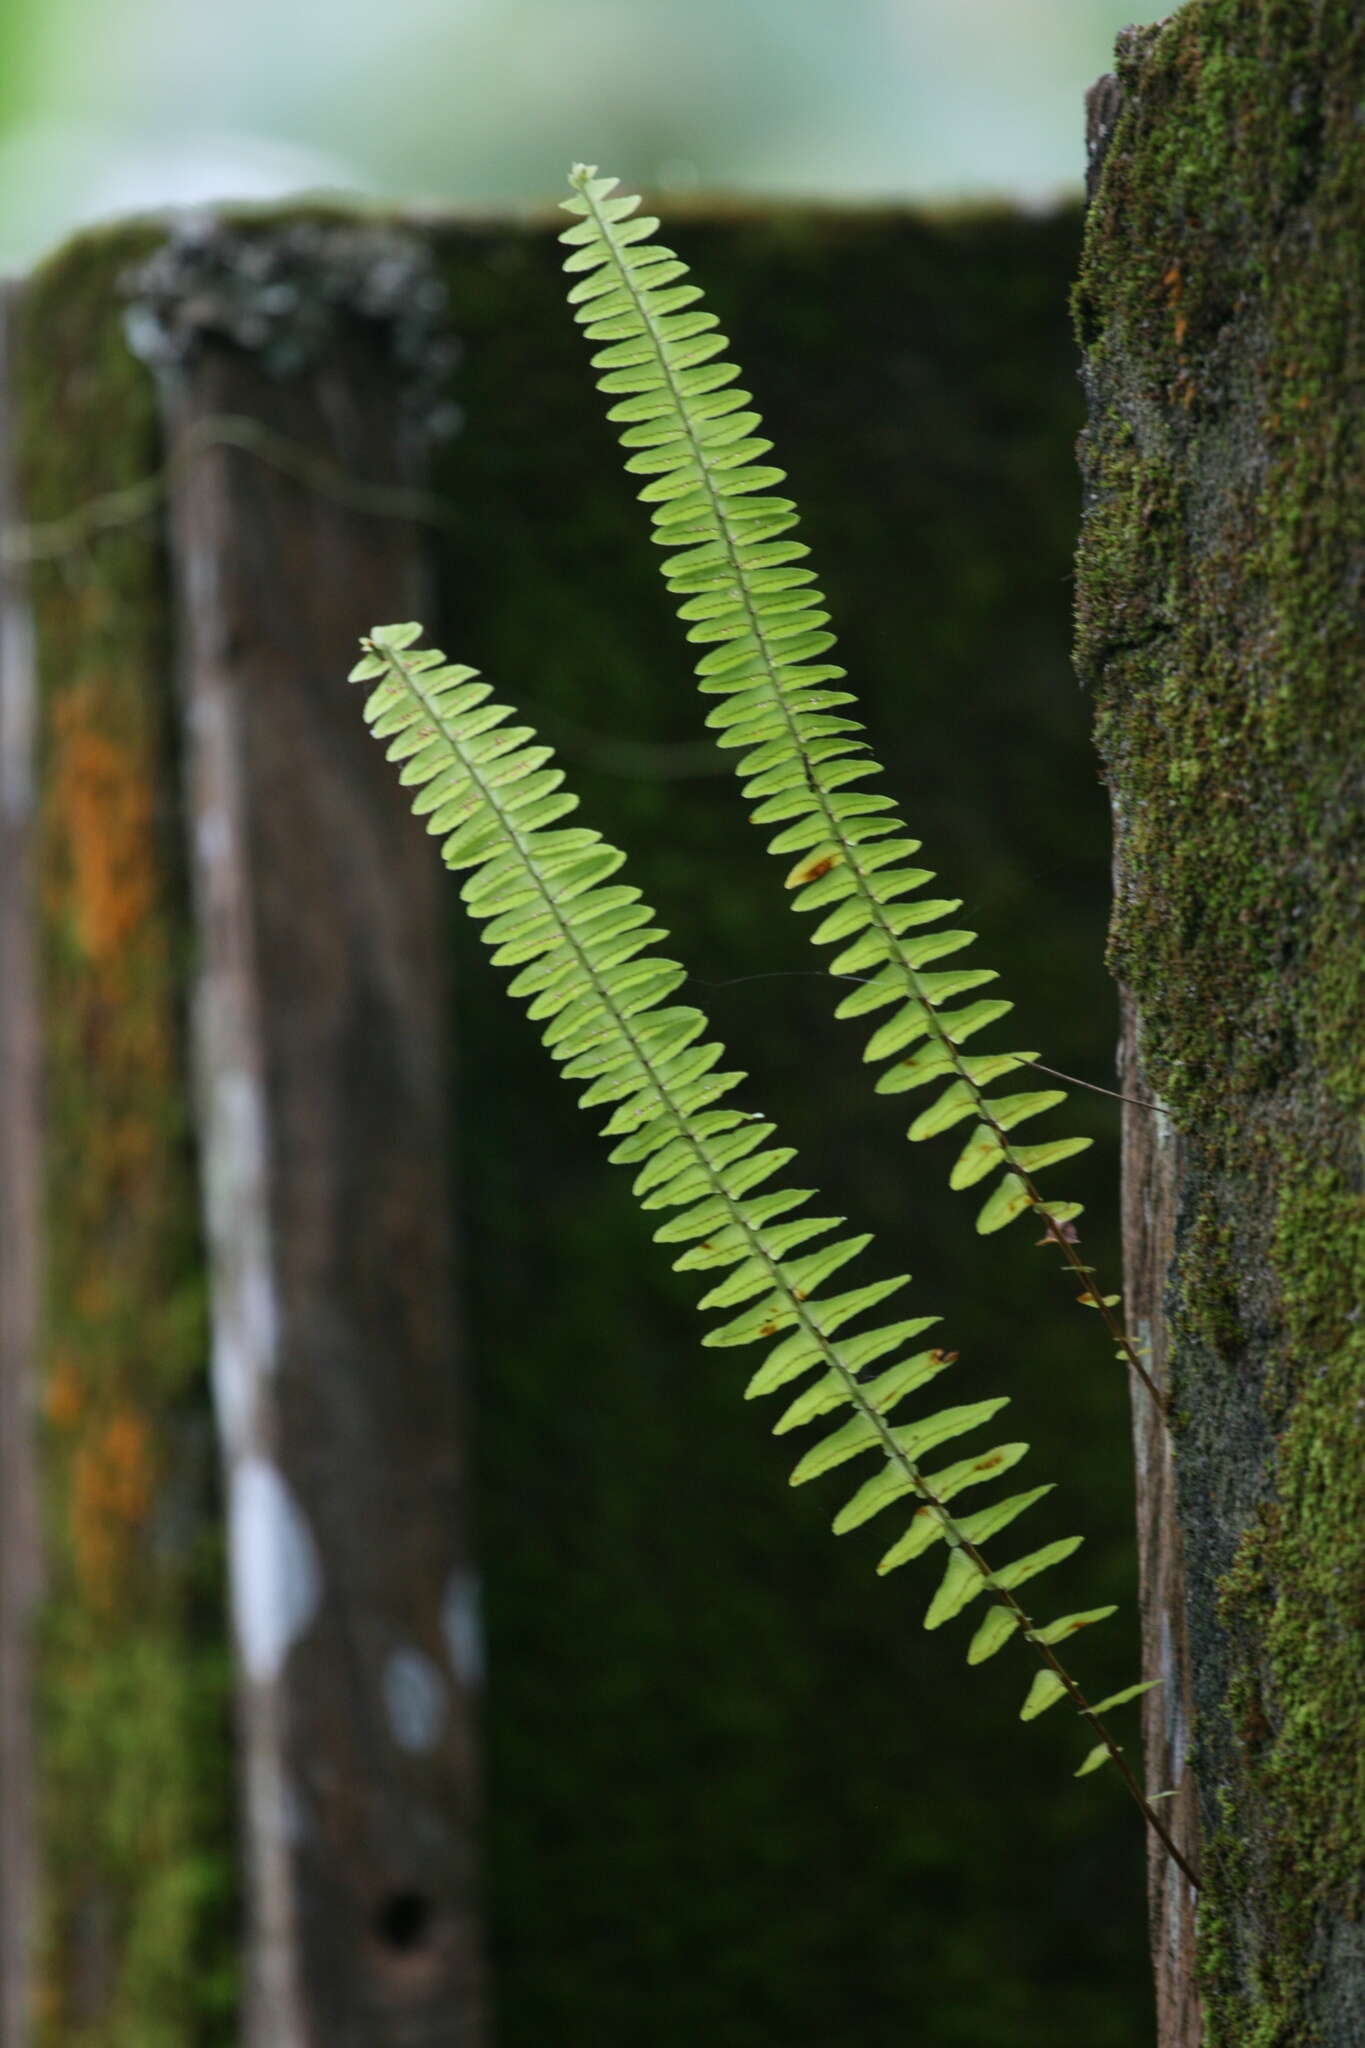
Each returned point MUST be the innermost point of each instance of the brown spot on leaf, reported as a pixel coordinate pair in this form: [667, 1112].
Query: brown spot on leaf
[811, 870]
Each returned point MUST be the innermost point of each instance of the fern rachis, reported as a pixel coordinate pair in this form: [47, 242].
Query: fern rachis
[582, 947]
[759, 615]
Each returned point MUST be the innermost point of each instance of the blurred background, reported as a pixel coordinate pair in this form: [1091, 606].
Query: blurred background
[731, 1793]
[108, 106]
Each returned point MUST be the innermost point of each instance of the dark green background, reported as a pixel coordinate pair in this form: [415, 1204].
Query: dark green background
[734, 1793]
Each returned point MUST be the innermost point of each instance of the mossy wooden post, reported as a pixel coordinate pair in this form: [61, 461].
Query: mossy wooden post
[127, 1865]
[1222, 310]
[319, 1041]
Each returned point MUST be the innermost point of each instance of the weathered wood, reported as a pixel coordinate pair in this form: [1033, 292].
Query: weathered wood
[20, 1182]
[132, 1914]
[321, 1081]
[1152, 1171]
[1152, 1168]
[1222, 305]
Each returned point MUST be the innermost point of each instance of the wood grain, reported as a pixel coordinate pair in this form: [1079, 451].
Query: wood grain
[1151, 1183]
[320, 1034]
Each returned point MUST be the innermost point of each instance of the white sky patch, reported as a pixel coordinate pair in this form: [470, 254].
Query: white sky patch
[69, 174]
[153, 102]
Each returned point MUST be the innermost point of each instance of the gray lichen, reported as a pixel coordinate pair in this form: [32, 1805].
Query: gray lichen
[280, 287]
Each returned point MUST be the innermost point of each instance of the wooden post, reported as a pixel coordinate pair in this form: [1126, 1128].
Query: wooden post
[128, 1927]
[319, 1048]
[1222, 307]
[1153, 1162]
[1153, 1167]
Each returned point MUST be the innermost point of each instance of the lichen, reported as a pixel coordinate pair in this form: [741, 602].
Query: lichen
[137, 1906]
[286, 284]
[1220, 302]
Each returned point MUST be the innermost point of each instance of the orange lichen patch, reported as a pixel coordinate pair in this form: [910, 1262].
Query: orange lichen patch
[64, 1401]
[129, 1685]
[99, 791]
[111, 1490]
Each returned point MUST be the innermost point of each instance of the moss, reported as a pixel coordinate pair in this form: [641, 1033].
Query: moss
[1220, 298]
[734, 1792]
[137, 1906]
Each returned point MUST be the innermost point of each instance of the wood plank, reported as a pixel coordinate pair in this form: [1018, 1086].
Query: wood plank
[320, 1032]
[1152, 1168]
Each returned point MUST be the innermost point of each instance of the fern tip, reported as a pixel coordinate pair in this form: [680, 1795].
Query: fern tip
[395, 637]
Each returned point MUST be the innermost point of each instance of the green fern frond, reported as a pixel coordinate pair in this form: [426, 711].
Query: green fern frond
[748, 600]
[582, 946]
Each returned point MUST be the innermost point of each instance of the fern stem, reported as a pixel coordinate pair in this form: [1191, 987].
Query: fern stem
[895, 1452]
[1092, 1291]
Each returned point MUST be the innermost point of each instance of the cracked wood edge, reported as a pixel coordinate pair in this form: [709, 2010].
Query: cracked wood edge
[1152, 1153]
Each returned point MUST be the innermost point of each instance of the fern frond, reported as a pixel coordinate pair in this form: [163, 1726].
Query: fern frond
[582, 946]
[750, 603]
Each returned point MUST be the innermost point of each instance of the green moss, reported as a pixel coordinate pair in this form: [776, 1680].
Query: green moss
[1220, 298]
[137, 1906]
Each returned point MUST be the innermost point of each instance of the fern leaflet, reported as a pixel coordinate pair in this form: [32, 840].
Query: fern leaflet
[582, 946]
[748, 600]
